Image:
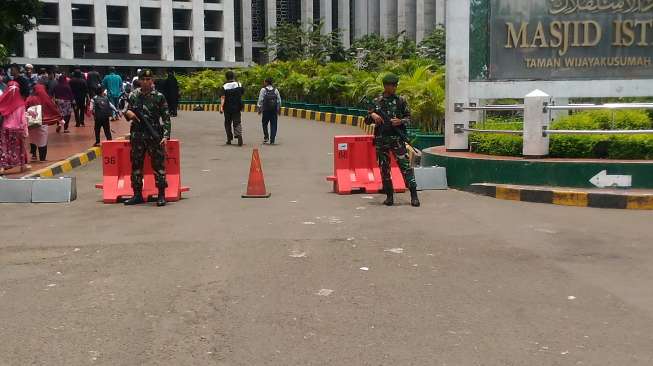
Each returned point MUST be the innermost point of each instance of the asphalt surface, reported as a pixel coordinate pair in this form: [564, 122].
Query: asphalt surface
[219, 280]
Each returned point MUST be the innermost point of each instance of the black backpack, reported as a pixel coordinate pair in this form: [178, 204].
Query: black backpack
[102, 108]
[270, 100]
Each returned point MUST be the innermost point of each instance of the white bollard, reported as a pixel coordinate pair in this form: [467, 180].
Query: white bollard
[536, 122]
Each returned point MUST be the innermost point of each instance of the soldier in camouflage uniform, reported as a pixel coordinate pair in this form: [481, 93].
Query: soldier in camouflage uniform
[150, 129]
[389, 137]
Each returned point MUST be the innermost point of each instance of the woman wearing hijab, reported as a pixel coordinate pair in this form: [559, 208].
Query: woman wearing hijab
[63, 96]
[51, 116]
[13, 129]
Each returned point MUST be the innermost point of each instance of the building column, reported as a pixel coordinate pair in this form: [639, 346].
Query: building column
[30, 44]
[440, 12]
[402, 18]
[360, 18]
[199, 54]
[388, 17]
[425, 13]
[457, 78]
[307, 12]
[167, 32]
[373, 17]
[66, 29]
[326, 15]
[344, 23]
[270, 23]
[410, 17]
[134, 23]
[246, 29]
[100, 21]
[229, 31]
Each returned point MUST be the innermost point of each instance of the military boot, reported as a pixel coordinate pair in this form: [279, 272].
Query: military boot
[136, 199]
[389, 191]
[161, 198]
[240, 140]
[414, 200]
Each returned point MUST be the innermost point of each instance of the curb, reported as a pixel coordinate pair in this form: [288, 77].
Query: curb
[67, 164]
[564, 197]
[334, 118]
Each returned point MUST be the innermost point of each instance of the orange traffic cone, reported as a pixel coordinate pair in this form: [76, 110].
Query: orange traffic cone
[256, 183]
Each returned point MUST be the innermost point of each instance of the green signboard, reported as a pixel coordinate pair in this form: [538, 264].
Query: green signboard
[562, 39]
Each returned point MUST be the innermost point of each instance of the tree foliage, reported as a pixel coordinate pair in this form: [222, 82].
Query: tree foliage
[434, 46]
[334, 83]
[294, 41]
[16, 17]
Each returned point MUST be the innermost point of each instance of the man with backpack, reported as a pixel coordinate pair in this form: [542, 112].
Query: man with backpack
[102, 112]
[93, 81]
[269, 105]
[231, 105]
[112, 83]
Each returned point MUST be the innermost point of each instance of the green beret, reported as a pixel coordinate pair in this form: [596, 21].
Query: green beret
[145, 73]
[391, 79]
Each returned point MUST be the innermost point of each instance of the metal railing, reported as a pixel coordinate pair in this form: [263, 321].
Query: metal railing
[537, 111]
[607, 106]
[494, 107]
[598, 132]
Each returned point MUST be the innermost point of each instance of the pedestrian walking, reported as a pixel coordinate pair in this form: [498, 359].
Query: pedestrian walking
[64, 97]
[93, 81]
[103, 110]
[269, 106]
[38, 134]
[391, 115]
[31, 76]
[112, 83]
[171, 92]
[80, 92]
[231, 104]
[150, 129]
[13, 129]
[23, 82]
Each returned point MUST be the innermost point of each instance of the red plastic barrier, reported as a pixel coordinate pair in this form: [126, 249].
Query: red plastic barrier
[116, 167]
[356, 168]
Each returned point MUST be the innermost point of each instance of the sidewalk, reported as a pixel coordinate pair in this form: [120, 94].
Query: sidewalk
[63, 145]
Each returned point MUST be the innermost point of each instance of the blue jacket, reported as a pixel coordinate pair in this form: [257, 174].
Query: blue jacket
[113, 84]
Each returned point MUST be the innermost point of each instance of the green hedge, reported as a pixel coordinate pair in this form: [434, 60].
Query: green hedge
[577, 146]
[335, 84]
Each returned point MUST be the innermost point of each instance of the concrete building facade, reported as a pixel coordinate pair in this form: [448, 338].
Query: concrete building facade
[203, 33]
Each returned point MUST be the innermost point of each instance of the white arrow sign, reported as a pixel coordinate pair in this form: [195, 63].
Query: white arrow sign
[603, 180]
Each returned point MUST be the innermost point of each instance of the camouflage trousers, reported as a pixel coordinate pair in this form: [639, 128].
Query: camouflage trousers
[393, 144]
[157, 156]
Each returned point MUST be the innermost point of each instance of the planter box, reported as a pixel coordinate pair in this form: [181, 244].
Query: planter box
[341, 110]
[423, 141]
[312, 107]
[327, 108]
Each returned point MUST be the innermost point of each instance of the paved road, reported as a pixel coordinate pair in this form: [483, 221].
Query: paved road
[218, 280]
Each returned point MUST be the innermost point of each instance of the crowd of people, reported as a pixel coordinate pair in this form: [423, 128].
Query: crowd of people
[31, 102]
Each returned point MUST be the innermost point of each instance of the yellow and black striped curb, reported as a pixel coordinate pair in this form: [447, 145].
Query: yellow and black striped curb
[565, 197]
[68, 164]
[334, 118]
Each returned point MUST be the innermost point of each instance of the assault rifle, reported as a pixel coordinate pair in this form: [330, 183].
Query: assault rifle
[141, 112]
[387, 126]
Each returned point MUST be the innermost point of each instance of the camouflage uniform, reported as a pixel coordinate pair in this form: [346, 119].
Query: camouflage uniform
[154, 110]
[388, 139]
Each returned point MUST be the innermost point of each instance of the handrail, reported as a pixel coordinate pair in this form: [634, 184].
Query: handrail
[608, 106]
[505, 132]
[496, 107]
[598, 132]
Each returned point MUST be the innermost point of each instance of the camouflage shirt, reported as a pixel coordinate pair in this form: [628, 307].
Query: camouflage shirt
[154, 109]
[393, 106]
